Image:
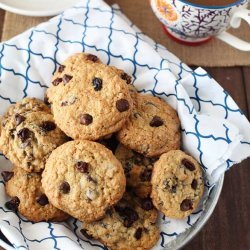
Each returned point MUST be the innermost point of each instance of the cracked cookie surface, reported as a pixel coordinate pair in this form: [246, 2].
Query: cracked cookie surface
[28, 196]
[89, 100]
[177, 184]
[27, 139]
[83, 179]
[126, 226]
[153, 127]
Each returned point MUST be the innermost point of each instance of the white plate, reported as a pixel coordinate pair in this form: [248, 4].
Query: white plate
[5, 245]
[37, 7]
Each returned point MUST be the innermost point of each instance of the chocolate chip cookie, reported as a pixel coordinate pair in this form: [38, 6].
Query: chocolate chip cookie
[27, 139]
[24, 106]
[153, 127]
[127, 226]
[177, 184]
[28, 197]
[83, 178]
[89, 99]
[138, 170]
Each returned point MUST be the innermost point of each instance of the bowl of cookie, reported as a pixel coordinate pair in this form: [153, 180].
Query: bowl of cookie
[102, 162]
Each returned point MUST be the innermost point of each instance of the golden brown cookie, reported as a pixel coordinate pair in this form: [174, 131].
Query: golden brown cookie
[27, 139]
[83, 178]
[153, 127]
[28, 196]
[177, 184]
[89, 100]
[126, 226]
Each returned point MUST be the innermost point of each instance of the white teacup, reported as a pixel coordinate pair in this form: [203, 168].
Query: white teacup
[194, 24]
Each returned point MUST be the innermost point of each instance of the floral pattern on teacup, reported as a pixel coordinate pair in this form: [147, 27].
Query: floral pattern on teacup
[167, 10]
[192, 23]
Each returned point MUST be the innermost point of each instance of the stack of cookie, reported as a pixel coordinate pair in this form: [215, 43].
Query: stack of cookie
[28, 136]
[63, 165]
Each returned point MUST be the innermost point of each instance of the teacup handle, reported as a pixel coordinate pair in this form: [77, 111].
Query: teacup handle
[235, 23]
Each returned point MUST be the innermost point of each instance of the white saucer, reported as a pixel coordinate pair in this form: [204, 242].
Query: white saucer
[36, 7]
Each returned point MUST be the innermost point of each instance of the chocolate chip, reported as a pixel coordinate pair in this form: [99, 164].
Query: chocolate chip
[7, 175]
[131, 217]
[92, 58]
[156, 121]
[128, 214]
[146, 175]
[46, 99]
[122, 105]
[64, 187]
[147, 204]
[173, 189]
[84, 233]
[188, 164]
[57, 81]
[97, 83]
[61, 68]
[86, 119]
[66, 78]
[82, 167]
[186, 205]
[19, 119]
[42, 200]
[126, 77]
[48, 126]
[194, 184]
[138, 233]
[13, 204]
[23, 134]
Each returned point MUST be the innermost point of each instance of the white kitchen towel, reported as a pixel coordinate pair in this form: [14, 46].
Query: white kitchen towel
[214, 130]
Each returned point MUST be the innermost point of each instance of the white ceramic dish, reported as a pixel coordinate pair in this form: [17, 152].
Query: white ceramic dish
[36, 7]
[5, 245]
[187, 236]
